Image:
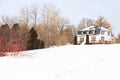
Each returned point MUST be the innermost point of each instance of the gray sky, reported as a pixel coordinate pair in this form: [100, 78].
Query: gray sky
[74, 10]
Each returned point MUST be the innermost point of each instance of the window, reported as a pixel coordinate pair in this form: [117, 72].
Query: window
[97, 31]
[102, 32]
[84, 32]
[79, 32]
[102, 38]
[81, 39]
[93, 38]
[90, 32]
[108, 33]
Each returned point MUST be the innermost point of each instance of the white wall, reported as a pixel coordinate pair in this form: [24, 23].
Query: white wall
[98, 37]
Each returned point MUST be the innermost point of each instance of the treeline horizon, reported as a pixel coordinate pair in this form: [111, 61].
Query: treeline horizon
[41, 27]
[36, 15]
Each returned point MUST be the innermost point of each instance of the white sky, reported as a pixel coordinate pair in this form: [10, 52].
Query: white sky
[74, 10]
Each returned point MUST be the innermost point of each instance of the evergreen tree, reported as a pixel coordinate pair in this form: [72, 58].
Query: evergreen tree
[42, 44]
[16, 27]
[4, 33]
[33, 41]
[4, 30]
[87, 39]
[15, 32]
[75, 40]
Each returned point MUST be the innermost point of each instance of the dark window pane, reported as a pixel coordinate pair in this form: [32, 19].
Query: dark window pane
[90, 32]
[79, 32]
[97, 31]
[84, 32]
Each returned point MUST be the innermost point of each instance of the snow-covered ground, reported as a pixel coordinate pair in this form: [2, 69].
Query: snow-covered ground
[80, 62]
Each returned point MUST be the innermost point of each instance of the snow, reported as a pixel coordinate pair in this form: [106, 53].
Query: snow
[88, 28]
[104, 29]
[70, 62]
[93, 28]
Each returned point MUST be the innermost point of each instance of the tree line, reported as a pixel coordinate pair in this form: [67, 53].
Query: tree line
[37, 28]
[101, 21]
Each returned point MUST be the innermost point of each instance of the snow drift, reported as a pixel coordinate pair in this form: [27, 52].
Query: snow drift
[80, 62]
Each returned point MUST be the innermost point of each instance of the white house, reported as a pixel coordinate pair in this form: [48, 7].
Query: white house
[97, 35]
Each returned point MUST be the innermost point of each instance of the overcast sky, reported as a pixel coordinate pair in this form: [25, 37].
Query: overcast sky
[74, 10]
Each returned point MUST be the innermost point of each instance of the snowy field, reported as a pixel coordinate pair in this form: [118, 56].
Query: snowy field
[85, 62]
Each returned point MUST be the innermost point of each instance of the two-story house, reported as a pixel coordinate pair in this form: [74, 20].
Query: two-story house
[97, 35]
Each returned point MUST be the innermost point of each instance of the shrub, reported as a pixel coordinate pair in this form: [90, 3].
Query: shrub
[75, 40]
[42, 44]
[2, 47]
[87, 39]
[62, 40]
[33, 39]
[15, 46]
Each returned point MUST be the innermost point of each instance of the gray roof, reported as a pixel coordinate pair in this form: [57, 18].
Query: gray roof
[94, 28]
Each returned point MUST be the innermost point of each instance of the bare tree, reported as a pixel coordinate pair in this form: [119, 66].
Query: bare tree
[25, 16]
[102, 22]
[9, 21]
[4, 33]
[18, 36]
[53, 23]
[34, 14]
[70, 33]
[86, 22]
[62, 24]
[49, 15]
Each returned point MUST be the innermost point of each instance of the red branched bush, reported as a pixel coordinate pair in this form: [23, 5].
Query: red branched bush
[2, 47]
[13, 40]
[16, 46]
